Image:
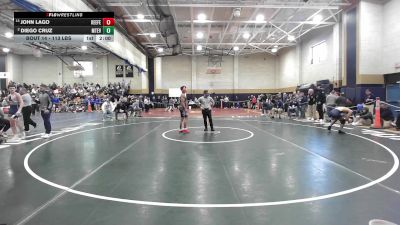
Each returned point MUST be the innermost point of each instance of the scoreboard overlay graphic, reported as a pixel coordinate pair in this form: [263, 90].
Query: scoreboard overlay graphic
[64, 26]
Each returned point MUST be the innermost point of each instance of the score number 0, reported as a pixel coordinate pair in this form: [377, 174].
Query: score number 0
[108, 21]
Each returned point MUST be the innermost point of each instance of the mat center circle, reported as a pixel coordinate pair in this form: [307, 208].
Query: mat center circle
[198, 136]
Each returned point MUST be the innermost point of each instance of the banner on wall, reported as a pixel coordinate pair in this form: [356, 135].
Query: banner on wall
[119, 71]
[4, 75]
[128, 71]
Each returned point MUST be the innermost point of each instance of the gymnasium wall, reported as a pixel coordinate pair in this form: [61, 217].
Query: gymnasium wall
[244, 74]
[391, 34]
[288, 68]
[294, 64]
[13, 66]
[327, 69]
[370, 38]
[257, 71]
[379, 48]
[49, 69]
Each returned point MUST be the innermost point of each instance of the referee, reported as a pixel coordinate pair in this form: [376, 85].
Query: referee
[206, 104]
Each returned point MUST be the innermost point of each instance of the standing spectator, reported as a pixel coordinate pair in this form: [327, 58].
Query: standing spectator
[369, 100]
[146, 104]
[331, 101]
[45, 109]
[226, 102]
[27, 109]
[266, 108]
[253, 102]
[312, 108]
[35, 102]
[302, 100]
[321, 98]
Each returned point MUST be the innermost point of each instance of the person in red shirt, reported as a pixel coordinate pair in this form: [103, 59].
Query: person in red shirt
[254, 102]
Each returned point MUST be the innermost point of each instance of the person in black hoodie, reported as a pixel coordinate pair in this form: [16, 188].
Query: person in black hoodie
[320, 98]
[387, 116]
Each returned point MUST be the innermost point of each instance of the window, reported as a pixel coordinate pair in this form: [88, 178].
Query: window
[87, 69]
[318, 53]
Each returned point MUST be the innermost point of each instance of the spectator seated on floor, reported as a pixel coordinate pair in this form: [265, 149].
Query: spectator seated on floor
[266, 108]
[292, 110]
[277, 108]
[363, 118]
[147, 104]
[398, 120]
[4, 124]
[387, 116]
[107, 110]
[191, 103]
[170, 105]
[136, 110]
[122, 107]
[56, 104]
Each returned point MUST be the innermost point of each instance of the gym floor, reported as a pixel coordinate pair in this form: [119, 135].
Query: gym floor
[251, 171]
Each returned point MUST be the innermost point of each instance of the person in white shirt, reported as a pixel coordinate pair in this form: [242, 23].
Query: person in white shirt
[107, 110]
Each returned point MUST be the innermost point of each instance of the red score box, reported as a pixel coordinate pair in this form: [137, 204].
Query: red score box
[108, 21]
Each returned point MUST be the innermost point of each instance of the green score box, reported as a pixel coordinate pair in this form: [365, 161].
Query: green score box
[108, 30]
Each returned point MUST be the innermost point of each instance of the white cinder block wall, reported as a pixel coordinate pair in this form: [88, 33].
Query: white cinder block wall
[49, 69]
[213, 81]
[323, 70]
[257, 71]
[391, 36]
[370, 37]
[287, 67]
[253, 72]
[294, 64]
[13, 66]
[176, 71]
[379, 46]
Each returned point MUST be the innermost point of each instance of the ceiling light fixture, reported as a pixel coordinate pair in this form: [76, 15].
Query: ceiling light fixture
[246, 35]
[274, 50]
[317, 18]
[140, 16]
[84, 47]
[199, 35]
[236, 48]
[291, 38]
[260, 18]
[201, 16]
[160, 50]
[199, 48]
[153, 35]
[236, 12]
[8, 35]
[6, 50]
